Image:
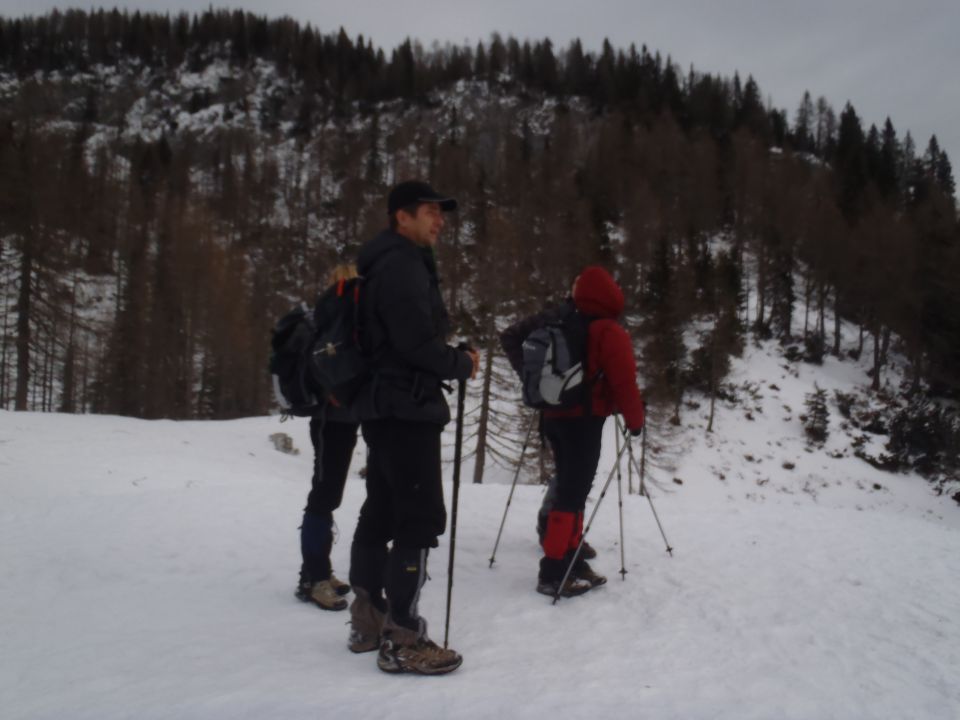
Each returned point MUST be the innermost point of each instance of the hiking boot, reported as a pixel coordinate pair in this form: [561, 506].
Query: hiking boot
[582, 570]
[366, 622]
[410, 651]
[321, 594]
[339, 586]
[587, 552]
[574, 586]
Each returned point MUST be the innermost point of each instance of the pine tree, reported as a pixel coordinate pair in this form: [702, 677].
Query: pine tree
[887, 174]
[851, 162]
[804, 139]
[816, 424]
[944, 175]
[826, 128]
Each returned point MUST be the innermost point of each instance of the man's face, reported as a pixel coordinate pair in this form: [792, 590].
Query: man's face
[424, 227]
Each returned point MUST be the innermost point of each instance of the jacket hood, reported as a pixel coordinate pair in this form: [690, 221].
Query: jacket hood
[385, 242]
[597, 294]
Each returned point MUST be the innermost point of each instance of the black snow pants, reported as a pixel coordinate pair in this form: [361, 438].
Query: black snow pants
[404, 505]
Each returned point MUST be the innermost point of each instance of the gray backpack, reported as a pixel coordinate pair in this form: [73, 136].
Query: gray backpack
[554, 363]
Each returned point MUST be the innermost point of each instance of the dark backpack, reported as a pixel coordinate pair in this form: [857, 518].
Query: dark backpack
[554, 371]
[317, 356]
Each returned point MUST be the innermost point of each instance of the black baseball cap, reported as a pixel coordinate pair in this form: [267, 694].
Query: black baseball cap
[414, 192]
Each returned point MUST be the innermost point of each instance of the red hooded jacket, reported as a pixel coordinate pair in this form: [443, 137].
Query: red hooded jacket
[609, 350]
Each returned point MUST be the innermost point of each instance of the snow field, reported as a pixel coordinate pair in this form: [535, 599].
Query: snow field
[149, 571]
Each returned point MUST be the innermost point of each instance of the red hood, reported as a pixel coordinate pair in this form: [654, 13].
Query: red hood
[597, 294]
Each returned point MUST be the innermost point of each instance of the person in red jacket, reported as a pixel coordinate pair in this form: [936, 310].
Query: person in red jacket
[575, 433]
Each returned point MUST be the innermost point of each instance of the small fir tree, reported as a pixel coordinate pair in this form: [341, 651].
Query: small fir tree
[816, 424]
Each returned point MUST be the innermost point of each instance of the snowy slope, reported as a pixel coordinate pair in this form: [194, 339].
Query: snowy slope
[149, 570]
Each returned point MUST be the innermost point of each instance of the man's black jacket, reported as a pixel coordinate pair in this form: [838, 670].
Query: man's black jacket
[405, 329]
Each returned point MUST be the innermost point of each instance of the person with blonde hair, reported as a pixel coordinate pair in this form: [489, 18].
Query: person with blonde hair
[333, 434]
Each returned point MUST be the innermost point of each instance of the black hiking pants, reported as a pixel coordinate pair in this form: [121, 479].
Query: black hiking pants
[576, 453]
[405, 505]
[333, 444]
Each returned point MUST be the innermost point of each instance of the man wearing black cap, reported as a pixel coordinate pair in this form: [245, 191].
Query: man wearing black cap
[402, 412]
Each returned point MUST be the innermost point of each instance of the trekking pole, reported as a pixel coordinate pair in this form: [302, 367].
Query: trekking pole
[643, 459]
[461, 395]
[643, 489]
[583, 536]
[623, 562]
[513, 487]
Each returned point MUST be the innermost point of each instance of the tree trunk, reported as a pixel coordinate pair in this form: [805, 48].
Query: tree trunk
[67, 401]
[3, 360]
[746, 288]
[875, 385]
[836, 323]
[84, 376]
[23, 328]
[761, 289]
[49, 363]
[713, 404]
[713, 376]
[481, 455]
[917, 371]
[457, 267]
[822, 312]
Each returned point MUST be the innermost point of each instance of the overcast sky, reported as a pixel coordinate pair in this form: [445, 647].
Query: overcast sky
[893, 58]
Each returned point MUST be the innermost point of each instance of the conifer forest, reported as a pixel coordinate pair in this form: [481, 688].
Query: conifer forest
[171, 185]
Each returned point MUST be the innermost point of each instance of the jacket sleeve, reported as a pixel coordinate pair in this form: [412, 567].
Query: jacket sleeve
[404, 308]
[619, 366]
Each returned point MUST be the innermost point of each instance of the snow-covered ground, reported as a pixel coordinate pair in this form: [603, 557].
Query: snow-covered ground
[148, 572]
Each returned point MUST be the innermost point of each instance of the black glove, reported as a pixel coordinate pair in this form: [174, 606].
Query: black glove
[637, 432]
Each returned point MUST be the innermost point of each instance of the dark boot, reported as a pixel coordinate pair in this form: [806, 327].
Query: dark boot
[551, 574]
[582, 570]
[317, 583]
[406, 650]
[322, 594]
